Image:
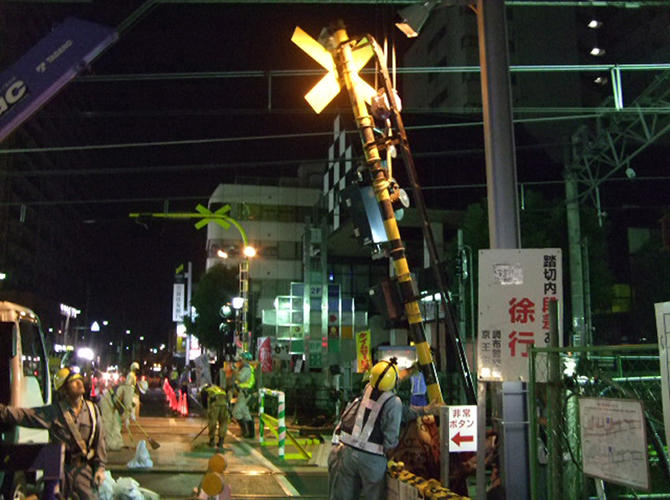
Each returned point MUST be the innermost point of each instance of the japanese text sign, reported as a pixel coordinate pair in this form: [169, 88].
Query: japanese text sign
[614, 441]
[515, 289]
[462, 428]
[363, 355]
[663, 334]
[178, 302]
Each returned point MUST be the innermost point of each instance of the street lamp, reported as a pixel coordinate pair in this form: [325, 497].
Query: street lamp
[414, 17]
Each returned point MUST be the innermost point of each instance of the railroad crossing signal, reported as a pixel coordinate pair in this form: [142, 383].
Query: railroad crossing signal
[329, 86]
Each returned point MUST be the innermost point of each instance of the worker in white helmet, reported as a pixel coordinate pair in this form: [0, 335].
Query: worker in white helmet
[131, 380]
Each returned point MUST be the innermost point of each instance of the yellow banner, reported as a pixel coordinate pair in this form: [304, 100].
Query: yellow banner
[363, 355]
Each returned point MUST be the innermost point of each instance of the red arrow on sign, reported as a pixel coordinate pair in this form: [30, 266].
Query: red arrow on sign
[458, 439]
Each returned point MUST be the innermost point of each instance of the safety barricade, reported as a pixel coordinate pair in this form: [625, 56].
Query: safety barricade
[278, 427]
[403, 485]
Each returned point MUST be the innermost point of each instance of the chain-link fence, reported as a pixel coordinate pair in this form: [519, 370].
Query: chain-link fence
[559, 377]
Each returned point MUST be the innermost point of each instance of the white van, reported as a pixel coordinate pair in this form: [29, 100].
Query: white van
[24, 368]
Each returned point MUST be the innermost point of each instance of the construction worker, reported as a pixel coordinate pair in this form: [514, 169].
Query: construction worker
[419, 389]
[75, 422]
[245, 381]
[215, 399]
[367, 430]
[131, 380]
[174, 377]
[125, 394]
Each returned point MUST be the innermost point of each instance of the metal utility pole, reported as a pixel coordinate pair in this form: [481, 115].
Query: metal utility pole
[503, 216]
[189, 291]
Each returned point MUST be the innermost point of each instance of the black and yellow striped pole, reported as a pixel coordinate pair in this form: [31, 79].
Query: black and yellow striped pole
[343, 56]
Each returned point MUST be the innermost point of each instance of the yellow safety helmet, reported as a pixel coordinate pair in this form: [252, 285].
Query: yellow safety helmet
[64, 375]
[134, 366]
[384, 375]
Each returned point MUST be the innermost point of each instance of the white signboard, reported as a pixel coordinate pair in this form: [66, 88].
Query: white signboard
[462, 428]
[515, 289]
[178, 302]
[614, 441]
[663, 331]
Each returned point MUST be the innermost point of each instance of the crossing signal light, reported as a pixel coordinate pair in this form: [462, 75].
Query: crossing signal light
[329, 86]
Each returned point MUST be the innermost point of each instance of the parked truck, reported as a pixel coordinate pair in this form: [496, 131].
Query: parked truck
[24, 381]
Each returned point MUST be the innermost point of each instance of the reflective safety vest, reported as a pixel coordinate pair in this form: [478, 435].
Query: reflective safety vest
[360, 426]
[418, 383]
[250, 382]
[216, 395]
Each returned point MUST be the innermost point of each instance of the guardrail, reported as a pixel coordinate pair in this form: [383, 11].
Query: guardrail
[278, 426]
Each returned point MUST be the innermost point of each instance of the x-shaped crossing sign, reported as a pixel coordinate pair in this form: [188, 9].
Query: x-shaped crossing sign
[218, 216]
[329, 86]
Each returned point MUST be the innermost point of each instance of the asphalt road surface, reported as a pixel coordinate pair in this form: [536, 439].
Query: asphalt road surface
[254, 471]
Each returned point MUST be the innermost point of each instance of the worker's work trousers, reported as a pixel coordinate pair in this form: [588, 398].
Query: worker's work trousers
[241, 409]
[354, 473]
[78, 478]
[217, 414]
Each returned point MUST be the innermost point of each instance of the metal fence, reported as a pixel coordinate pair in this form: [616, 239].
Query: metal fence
[558, 378]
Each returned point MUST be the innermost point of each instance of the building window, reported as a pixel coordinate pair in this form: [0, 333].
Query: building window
[469, 42]
[439, 98]
[471, 76]
[437, 38]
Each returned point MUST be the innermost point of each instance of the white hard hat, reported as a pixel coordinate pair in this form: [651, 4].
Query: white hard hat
[134, 366]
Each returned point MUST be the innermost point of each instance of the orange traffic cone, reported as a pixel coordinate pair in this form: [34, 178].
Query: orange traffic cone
[184, 410]
[173, 401]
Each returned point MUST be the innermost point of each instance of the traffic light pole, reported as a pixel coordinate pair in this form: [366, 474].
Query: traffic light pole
[343, 57]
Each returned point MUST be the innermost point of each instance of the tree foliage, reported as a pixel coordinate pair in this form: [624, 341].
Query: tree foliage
[651, 269]
[215, 288]
[543, 225]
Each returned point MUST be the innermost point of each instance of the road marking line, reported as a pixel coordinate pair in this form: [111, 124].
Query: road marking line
[286, 485]
[279, 476]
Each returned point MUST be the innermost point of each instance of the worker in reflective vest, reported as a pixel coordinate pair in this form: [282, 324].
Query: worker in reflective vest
[245, 381]
[74, 421]
[215, 399]
[369, 427]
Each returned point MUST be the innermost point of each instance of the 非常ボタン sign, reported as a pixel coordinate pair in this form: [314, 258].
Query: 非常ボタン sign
[515, 289]
[462, 428]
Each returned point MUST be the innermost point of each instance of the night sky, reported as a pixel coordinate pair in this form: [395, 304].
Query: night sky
[131, 273]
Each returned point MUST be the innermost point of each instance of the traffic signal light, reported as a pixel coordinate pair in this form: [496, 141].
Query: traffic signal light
[226, 311]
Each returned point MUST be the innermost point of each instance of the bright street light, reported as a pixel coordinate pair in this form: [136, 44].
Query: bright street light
[222, 254]
[249, 251]
[85, 353]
